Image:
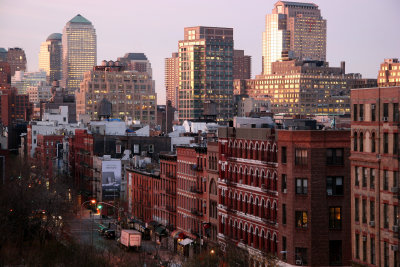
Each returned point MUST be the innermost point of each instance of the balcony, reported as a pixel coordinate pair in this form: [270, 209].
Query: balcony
[170, 192]
[170, 208]
[230, 183]
[194, 189]
[196, 212]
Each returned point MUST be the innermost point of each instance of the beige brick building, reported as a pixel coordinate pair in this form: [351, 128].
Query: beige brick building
[374, 176]
[131, 93]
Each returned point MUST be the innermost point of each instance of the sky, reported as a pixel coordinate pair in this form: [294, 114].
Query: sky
[362, 33]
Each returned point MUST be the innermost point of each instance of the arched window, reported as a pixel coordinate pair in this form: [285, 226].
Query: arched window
[373, 143]
[361, 142]
[213, 187]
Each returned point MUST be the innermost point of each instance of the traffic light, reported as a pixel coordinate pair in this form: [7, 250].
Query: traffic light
[100, 207]
[93, 201]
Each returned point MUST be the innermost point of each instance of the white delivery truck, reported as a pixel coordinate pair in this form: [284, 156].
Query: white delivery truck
[130, 239]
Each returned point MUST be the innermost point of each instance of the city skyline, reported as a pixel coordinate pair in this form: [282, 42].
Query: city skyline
[354, 39]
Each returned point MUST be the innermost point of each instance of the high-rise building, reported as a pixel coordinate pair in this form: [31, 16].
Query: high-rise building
[304, 87]
[375, 193]
[3, 54]
[206, 72]
[137, 62]
[131, 93]
[172, 78]
[17, 59]
[23, 80]
[14, 107]
[389, 73]
[5, 75]
[50, 57]
[293, 30]
[79, 51]
[241, 65]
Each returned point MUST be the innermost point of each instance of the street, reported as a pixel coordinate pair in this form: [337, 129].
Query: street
[84, 228]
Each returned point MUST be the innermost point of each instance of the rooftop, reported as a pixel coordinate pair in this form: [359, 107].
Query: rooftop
[54, 36]
[79, 19]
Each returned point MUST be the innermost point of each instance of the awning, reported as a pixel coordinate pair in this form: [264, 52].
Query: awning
[176, 234]
[160, 230]
[186, 241]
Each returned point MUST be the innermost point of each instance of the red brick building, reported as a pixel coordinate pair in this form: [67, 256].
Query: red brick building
[314, 197]
[212, 192]
[144, 194]
[375, 191]
[81, 162]
[166, 213]
[247, 191]
[46, 155]
[191, 188]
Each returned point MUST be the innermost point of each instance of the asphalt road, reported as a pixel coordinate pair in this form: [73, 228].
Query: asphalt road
[85, 228]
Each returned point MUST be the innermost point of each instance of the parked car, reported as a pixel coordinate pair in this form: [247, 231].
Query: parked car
[102, 229]
[110, 234]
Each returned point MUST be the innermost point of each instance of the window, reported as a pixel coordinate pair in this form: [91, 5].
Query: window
[364, 211]
[385, 111]
[283, 213]
[385, 254]
[395, 179]
[284, 155]
[355, 148]
[373, 144]
[301, 186]
[364, 176]
[373, 112]
[385, 215]
[334, 156]
[301, 255]
[301, 157]
[284, 248]
[372, 178]
[361, 112]
[355, 113]
[361, 142]
[283, 185]
[372, 253]
[335, 217]
[334, 185]
[395, 215]
[385, 143]
[395, 143]
[335, 253]
[372, 211]
[357, 246]
[356, 176]
[356, 209]
[301, 219]
[385, 180]
[395, 111]
[364, 244]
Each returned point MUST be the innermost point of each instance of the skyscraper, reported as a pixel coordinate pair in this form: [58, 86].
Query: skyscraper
[79, 51]
[294, 31]
[206, 72]
[50, 57]
[172, 78]
[17, 59]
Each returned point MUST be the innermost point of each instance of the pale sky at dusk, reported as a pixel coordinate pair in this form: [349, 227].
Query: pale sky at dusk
[360, 32]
